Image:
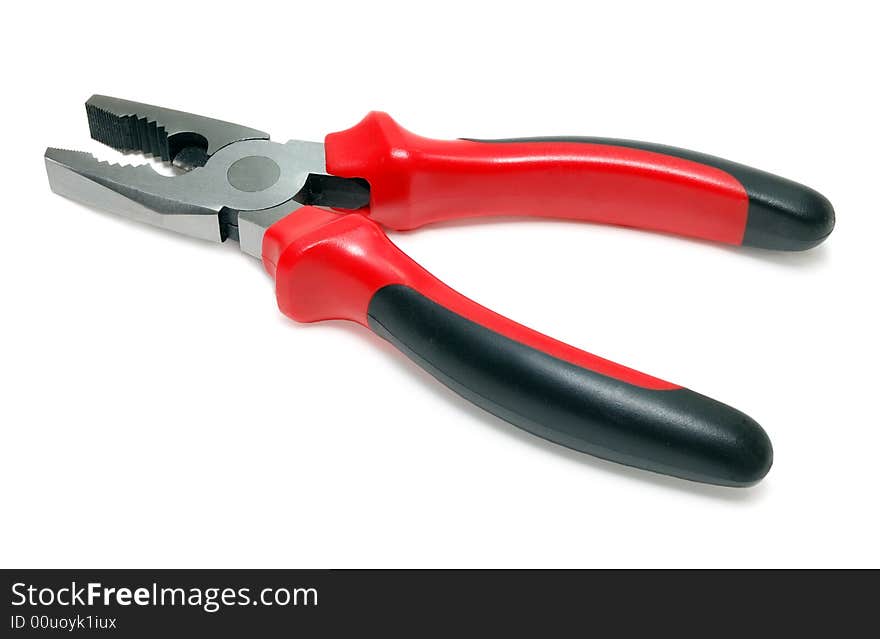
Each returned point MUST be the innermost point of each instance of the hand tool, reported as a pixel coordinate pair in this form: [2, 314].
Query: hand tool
[312, 213]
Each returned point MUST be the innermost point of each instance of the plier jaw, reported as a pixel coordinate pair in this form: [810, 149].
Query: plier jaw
[234, 184]
[184, 139]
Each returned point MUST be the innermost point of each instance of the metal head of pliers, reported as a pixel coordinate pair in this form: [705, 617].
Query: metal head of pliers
[234, 184]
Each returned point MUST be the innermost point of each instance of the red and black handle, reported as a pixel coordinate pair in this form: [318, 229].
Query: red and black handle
[336, 266]
[415, 181]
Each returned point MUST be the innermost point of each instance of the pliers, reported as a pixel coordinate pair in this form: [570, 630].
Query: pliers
[313, 213]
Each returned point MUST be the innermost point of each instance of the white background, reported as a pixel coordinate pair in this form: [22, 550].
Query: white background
[158, 410]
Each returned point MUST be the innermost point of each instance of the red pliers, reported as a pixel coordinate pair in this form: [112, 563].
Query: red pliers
[314, 214]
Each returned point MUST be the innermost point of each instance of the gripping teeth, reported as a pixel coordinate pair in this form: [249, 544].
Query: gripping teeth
[62, 164]
[85, 163]
[128, 132]
[163, 133]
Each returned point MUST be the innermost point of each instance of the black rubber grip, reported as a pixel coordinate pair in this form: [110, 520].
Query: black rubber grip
[783, 214]
[675, 432]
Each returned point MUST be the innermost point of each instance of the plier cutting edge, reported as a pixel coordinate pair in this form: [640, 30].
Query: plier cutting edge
[313, 213]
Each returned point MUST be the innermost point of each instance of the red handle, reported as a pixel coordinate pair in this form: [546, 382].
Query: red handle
[342, 266]
[329, 266]
[416, 180]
